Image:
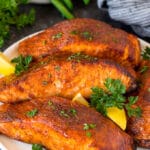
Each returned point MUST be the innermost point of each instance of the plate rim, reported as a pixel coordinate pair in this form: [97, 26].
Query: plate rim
[14, 47]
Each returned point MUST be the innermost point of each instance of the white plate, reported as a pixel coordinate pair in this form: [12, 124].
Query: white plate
[9, 144]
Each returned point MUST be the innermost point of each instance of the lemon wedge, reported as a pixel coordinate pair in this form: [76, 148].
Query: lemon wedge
[115, 114]
[6, 67]
[118, 116]
[80, 99]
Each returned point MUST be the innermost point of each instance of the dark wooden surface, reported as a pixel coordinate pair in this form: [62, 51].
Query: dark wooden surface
[47, 15]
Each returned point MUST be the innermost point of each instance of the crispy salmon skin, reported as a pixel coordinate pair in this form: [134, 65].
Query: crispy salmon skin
[60, 124]
[90, 36]
[63, 77]
[139, 128]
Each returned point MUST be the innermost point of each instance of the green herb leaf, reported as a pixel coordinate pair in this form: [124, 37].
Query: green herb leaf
[144, 69]
[32, 113]
[57, 68]
[86, 2]
[136, 112]
[22, 63]
[10, 15]
[87, 35]
[88, 134]
[37, 147]
[63, 113]
[88, 126]
[73, 112]
[146, 53]
[57, 36]
[113, 97]
[80, 56]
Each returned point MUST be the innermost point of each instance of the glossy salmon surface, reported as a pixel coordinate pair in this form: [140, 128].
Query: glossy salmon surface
[63, 77]
[90, 36]
[59, 124]
[139, 128]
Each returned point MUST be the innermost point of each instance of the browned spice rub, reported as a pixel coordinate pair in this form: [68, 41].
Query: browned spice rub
[56, 127]
[63, 77]
[90, 36]
[139, 128]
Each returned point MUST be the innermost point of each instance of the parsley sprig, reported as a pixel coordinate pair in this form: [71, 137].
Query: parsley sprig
[10, 15]
[22, 63]
[37, 147]
[114, 97]
[146, 53]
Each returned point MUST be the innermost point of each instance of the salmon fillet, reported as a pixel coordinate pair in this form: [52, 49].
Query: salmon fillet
[56, 127]
[90, 36]
[63, 77]
[139, 128]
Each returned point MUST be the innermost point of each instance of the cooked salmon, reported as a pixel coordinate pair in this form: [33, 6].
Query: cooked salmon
[59, 124]
[90, 36]
[139, 128]
[64, 77]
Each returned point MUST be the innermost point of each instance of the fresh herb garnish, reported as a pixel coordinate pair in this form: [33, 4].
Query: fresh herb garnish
[57, 36]
[50, 103]
[10, 15]
[131, 111]
[148, 89]
[22, 63]
[146, 53]
[87, 126]
[80, 56]
[144, 69]
[87, 35]
[64, 113]
[88, 134]
[73, 112]
[113, 97]
[32, 113]
[57, 68]
[74, 32]
[37, 147]
[44, 82]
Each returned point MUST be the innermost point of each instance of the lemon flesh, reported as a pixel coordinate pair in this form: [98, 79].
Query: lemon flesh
[80, 99]
[6, 67]
[118, 116]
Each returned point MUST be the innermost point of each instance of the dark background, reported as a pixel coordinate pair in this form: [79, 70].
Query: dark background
[47, 15]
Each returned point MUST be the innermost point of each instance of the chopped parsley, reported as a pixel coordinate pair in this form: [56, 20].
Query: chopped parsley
[57, 36]
[37, 147]
[88, 134]
[73, 112]
[80, 56]
[87, 35]
[22, 63]
[57, 68]
[144, 69]
[130, 110]
[10, 16]
[64, 113]
[113, 97]
[87, 126]
[74, 32]
[146, 53]
[50, 103]
[32, 113]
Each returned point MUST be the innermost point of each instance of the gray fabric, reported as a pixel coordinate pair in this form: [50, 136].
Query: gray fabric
[132, 12]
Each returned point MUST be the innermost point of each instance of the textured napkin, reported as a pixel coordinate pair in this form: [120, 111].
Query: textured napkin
[132, 12]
